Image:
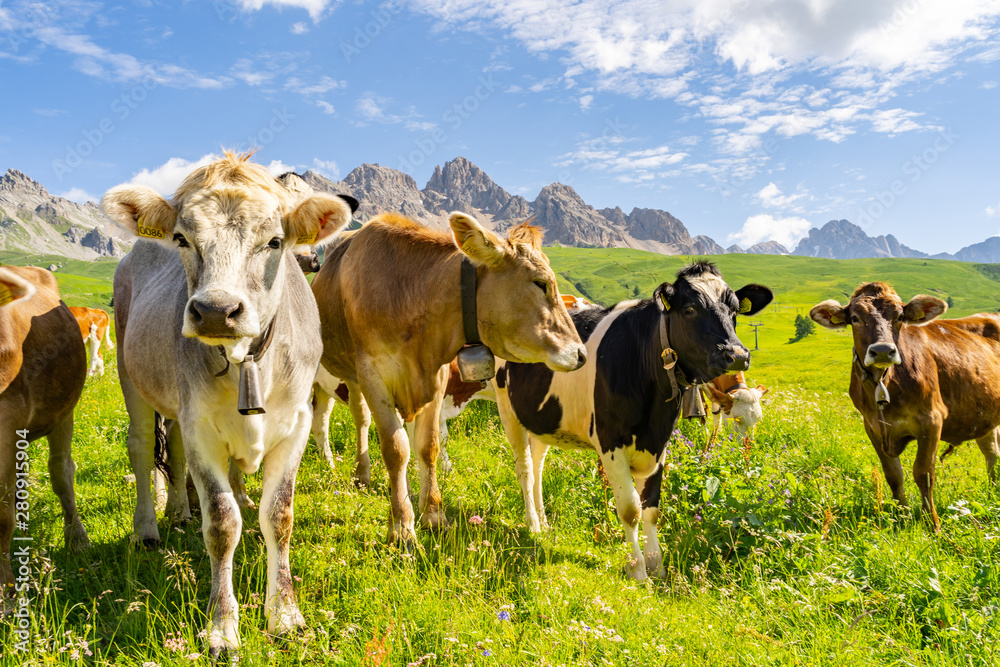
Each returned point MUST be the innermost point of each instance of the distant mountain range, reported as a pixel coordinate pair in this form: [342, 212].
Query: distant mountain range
[33, 221]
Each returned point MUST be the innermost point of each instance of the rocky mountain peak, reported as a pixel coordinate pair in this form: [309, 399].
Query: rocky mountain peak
[382, 189]
[459, 185]
[15, 181]
[841, 239]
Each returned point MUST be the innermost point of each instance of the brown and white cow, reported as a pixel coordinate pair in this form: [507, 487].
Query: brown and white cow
[735, 403]
[42, 370]
[457, 395]
[390, 305]
[942, 380]
[213, 289]
[94, 323]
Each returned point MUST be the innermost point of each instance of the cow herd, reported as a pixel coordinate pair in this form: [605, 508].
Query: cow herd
[227, 357]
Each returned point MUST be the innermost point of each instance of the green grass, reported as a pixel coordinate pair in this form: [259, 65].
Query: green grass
[797, 558]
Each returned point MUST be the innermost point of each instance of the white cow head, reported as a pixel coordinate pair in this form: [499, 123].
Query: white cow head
[233, 225]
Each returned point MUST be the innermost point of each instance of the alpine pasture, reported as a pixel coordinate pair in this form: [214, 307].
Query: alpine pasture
[784, 551]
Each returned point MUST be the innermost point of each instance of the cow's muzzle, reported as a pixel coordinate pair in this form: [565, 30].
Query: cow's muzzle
[218, 316]
[882, 355]
[736, 358]
[569, 358]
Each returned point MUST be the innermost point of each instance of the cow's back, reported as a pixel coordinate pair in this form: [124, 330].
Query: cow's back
[150, 291]
[339, 354]
[53, 362]
[953, 366]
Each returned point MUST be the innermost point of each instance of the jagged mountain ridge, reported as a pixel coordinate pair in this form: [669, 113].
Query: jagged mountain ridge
[36, 222]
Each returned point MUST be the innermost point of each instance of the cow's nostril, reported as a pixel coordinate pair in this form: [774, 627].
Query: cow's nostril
[581, 357]
[235, 311]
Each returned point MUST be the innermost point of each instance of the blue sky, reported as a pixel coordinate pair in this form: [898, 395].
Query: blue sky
[747, 119]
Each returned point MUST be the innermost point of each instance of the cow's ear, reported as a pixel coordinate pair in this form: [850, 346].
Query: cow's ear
[829, 314]
[351, 201]
[478, 244]
[923, 308]
[142, 211]
[753, 298]
[317, 219]
[14, 288]
[662, 296]
[762, 389]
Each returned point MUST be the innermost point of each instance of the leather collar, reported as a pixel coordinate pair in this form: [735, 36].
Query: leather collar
[678, 381]
[470, 321]
[258, 347]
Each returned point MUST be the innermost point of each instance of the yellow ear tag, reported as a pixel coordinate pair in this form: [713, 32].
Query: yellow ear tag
[666, 304]
[745, 306]
[308, 240]
[6, 296]
[148, 232]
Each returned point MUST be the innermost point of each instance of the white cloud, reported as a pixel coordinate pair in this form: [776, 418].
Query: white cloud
[993, 211]
[765, 227]
[374, 108]
[96, 61]
[79, 195]
[277, 168]
[323, 85]
[299, 28]
[586, 101]
[166, 178]
[327, 168]
[772, 197]
[325, 106]
[316, 8]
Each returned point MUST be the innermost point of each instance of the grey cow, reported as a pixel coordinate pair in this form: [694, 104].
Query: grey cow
[214, 293]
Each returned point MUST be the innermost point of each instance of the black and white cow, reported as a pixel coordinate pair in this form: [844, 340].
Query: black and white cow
[617, 403]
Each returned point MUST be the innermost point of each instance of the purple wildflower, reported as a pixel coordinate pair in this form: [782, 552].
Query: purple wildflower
[503, 615]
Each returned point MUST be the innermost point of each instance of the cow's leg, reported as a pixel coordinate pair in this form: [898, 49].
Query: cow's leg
[891, 468]
[427, 429]
[649, 495]
[989, 445]
[220, 527]
[61, 472]
[362, 423]
[8, 501]
[107, 337]
[159, 490]
[518, 438]
[538, 452]
[395, 452]
[276, 516]
[444, 463]
[923, 471]
[141, 436]
[237, 482]
[322, 409]
[177, 507]
[629, 505]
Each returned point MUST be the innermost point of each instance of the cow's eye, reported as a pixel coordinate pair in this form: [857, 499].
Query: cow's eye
[689, 310]
[181, 241]
[275, 243]
[855, 319]
[542, 285]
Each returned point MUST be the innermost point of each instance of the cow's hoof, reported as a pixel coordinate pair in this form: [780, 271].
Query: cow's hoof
[284, 619]
[243, 500]
[654, 565]
[224, 642]
[76, 537]
[434, 520]
[636, 569]
[362, 478]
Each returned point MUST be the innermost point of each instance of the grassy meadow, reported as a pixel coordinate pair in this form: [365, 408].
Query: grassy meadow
[788, 551]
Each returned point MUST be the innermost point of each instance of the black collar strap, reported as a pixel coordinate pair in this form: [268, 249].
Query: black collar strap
[867, 377]
[866, 374]
[470, 322]
[674, 373]
[263, 343]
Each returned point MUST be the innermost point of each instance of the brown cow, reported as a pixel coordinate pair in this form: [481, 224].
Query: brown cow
[42, 370]
[88, 319]
[940, 381]
[391, 311]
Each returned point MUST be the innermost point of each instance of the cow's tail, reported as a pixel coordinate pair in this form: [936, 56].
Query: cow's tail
[160, 448]
[948, 451]
[107, 337]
